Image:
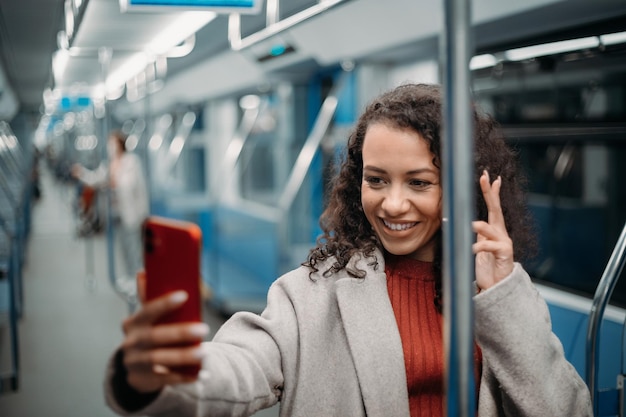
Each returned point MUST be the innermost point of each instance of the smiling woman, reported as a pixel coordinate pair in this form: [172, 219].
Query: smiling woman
[385, 208]
[368, 295]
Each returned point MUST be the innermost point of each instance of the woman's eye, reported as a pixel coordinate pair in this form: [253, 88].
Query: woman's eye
[374, 180]
[420, 183]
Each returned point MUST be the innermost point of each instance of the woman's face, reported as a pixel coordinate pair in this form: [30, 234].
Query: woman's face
[401, 192]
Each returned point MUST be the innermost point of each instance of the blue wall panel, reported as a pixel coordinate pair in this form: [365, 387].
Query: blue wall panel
[571, 328]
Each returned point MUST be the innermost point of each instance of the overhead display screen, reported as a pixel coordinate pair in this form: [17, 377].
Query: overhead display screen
[217, 6]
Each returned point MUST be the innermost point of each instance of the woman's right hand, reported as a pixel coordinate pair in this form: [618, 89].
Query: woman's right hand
[150, 350]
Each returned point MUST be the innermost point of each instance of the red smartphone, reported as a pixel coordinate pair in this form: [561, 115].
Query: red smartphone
[171, 250]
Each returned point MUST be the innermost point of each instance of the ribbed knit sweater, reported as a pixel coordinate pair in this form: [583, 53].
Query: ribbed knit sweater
[411, 286]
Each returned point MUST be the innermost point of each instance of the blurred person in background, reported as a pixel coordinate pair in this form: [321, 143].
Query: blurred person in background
[122, 173]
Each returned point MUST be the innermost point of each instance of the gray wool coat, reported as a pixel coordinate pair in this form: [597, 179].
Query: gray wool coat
[331, 347]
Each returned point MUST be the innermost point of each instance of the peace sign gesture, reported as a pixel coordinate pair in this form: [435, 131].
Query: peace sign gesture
[493, 247]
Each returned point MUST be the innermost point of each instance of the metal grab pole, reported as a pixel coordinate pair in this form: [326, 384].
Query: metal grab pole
[458, 193]
[600, 300]
[104, 58]
[90, 275]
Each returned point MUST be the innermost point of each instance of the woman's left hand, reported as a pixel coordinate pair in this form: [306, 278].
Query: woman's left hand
[493, 247]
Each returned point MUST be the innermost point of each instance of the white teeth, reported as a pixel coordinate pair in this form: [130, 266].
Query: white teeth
[400, 226]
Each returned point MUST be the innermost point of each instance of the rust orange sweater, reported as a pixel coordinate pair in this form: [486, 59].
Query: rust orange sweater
[411, 286]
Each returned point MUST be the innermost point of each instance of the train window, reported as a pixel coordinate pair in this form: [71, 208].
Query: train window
[273, 144]
[565, 115]
[194, 162]
[257, 176]
[579, 211]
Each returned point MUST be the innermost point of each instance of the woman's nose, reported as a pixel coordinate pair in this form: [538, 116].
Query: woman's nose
[395, 202]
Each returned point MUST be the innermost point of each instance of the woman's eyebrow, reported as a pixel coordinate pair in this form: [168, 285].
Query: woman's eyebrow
[411, 172]
[423, 171]
[373, 168]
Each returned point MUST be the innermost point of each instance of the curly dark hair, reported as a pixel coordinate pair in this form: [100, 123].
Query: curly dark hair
[417, 107]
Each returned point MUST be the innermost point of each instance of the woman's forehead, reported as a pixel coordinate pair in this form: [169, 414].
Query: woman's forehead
[384, 144]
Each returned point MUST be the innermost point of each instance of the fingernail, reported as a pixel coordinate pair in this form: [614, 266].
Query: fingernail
[199, 329]
[178, 297]
[199, 353]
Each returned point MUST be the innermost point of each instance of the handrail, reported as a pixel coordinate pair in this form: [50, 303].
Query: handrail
[10, 150]
[134, 136]
[234, 25]
[163, 124]
[104, 57]
[311, 145]
[180, 139]
[14, 314]
[600, 300]
[5, 186]
[235, 147]
[10, 169]
[153, 145]
[226, 170]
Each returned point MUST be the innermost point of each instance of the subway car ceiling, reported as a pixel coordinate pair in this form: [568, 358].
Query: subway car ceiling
[370, 31]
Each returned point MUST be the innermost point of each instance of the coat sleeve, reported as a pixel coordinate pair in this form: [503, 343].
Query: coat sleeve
[241, 373]
[525, 372]
[97, 178]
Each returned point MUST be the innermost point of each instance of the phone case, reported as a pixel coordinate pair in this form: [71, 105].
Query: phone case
[172, 262]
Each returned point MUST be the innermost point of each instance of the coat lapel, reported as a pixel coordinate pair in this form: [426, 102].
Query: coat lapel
[375, 343]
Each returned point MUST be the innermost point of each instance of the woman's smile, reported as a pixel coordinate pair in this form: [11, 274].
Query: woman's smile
[398, 226]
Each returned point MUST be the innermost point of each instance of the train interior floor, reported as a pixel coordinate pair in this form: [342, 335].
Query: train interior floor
[71, 316]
